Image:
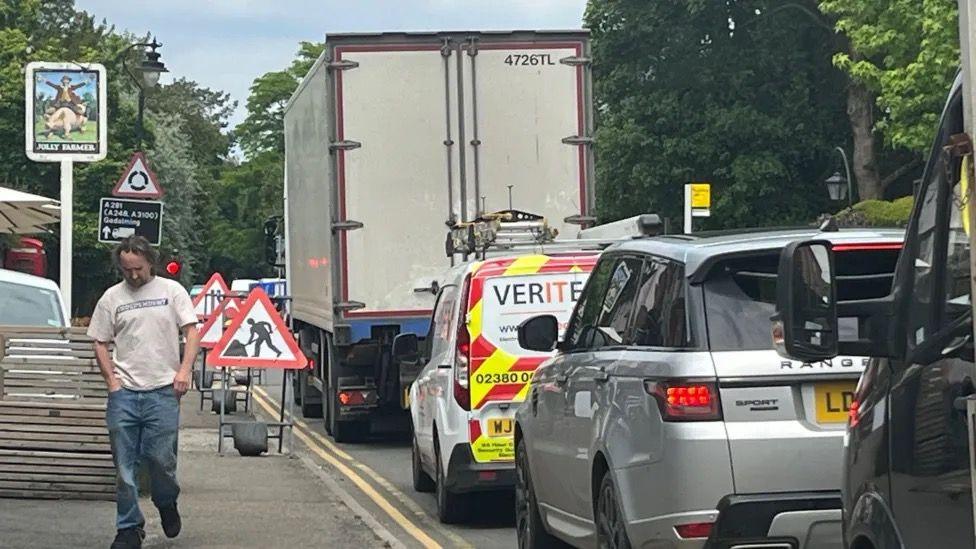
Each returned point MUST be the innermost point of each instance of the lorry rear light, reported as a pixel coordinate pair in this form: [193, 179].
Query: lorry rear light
[694, 530]
[685, 400]
[352, 398]
[462, 355]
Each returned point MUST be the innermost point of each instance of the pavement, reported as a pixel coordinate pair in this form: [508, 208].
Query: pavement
[227, 501]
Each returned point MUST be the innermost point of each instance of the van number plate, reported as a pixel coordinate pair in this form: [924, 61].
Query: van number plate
[500, 428]
[833, 401]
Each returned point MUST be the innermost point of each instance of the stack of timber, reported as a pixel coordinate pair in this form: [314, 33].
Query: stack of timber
[53, 439]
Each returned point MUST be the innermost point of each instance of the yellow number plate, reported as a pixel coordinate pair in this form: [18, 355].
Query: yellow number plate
[834, 401]
[500, 428]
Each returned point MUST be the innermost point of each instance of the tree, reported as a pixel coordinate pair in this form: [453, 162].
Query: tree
[901, 58]
[738, 94]
[251, 192]
[263, 129]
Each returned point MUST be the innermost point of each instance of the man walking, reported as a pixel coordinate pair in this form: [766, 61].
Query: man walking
[143, 316]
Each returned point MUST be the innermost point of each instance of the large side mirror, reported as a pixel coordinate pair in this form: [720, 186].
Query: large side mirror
[805, 323]
[406, 348]
[540, 333]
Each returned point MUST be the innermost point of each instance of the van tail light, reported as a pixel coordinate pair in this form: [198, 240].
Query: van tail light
[694, 530]
[462, 355]
[685, 400]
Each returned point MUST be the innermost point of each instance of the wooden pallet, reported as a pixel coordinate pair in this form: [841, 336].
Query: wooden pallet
[53, 439]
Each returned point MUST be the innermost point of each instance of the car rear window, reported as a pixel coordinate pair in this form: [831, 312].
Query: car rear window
[740, 294]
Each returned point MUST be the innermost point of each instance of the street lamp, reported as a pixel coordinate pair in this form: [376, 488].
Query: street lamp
[839, 187]
[146, 76]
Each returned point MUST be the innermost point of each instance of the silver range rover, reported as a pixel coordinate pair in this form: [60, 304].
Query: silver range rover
[667, 419]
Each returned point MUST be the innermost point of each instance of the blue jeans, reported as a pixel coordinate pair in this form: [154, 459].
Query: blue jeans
[143, 428]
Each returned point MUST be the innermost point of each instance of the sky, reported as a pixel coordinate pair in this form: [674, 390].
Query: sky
[226, 44]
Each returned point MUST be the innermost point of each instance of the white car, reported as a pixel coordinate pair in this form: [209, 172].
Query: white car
[476, 374]
[27, 300]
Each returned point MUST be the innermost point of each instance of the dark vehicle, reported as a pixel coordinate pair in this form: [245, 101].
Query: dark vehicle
[907, 479]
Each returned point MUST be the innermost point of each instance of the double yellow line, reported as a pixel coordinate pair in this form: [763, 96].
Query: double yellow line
[333, 455]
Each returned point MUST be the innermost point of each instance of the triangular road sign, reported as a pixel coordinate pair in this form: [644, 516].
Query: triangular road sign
[210, 296]
[257, 338]
[213, 327]
[138, 181]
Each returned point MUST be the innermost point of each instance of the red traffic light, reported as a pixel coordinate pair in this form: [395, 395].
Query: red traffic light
[173, 268]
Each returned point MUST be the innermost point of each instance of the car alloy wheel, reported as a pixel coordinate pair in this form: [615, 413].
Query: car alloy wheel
[611, 531]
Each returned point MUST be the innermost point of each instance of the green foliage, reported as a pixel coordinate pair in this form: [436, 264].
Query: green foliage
[251, 192]
[263, 129]
[907, 52]
[185, 141]
[877, 213]
[740, 94]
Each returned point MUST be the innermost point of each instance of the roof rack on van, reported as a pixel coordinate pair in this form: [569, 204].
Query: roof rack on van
[510, 230]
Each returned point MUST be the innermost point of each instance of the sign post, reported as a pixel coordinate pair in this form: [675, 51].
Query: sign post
[65, 122]
[698, 203]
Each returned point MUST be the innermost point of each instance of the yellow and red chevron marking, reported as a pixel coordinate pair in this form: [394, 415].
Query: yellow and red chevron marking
[505, 377]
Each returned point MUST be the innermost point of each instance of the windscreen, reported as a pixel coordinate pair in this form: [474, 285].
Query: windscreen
[22, 305]
[510, 300]
[740, 295]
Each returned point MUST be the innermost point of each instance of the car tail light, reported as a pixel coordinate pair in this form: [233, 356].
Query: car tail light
[867, 246]
[462, 355]
[685, 400]
[694, 530]
[853, 416]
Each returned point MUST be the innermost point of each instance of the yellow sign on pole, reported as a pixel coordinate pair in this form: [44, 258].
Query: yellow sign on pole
[701, 195]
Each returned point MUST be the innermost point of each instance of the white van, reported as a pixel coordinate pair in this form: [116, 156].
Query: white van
[476, 374]
[27, 300]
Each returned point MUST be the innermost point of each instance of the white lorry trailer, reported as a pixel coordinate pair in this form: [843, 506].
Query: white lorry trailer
[390, 139]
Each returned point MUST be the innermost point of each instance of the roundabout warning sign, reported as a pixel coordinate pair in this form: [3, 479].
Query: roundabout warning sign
[138, 181]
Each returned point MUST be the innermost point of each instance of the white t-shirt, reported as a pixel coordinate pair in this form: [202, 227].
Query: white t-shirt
[145, 325]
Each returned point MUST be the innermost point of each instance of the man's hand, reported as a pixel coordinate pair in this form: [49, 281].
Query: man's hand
[114, 385]
[181, 383]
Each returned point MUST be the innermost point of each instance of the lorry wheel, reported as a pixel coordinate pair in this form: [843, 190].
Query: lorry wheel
[452, 508]
[296, 388]
[309, 409]
[421, 480]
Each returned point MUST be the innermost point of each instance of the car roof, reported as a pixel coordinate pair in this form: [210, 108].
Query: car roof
[698, 249]
[24, 279]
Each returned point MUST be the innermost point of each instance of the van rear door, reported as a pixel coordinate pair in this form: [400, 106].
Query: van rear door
[785, 419]
[505, 293]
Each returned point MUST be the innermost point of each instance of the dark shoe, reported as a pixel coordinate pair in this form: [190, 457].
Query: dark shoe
[129, 538]
[172, 524]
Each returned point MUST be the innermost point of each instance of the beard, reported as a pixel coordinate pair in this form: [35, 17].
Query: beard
[136, 283]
